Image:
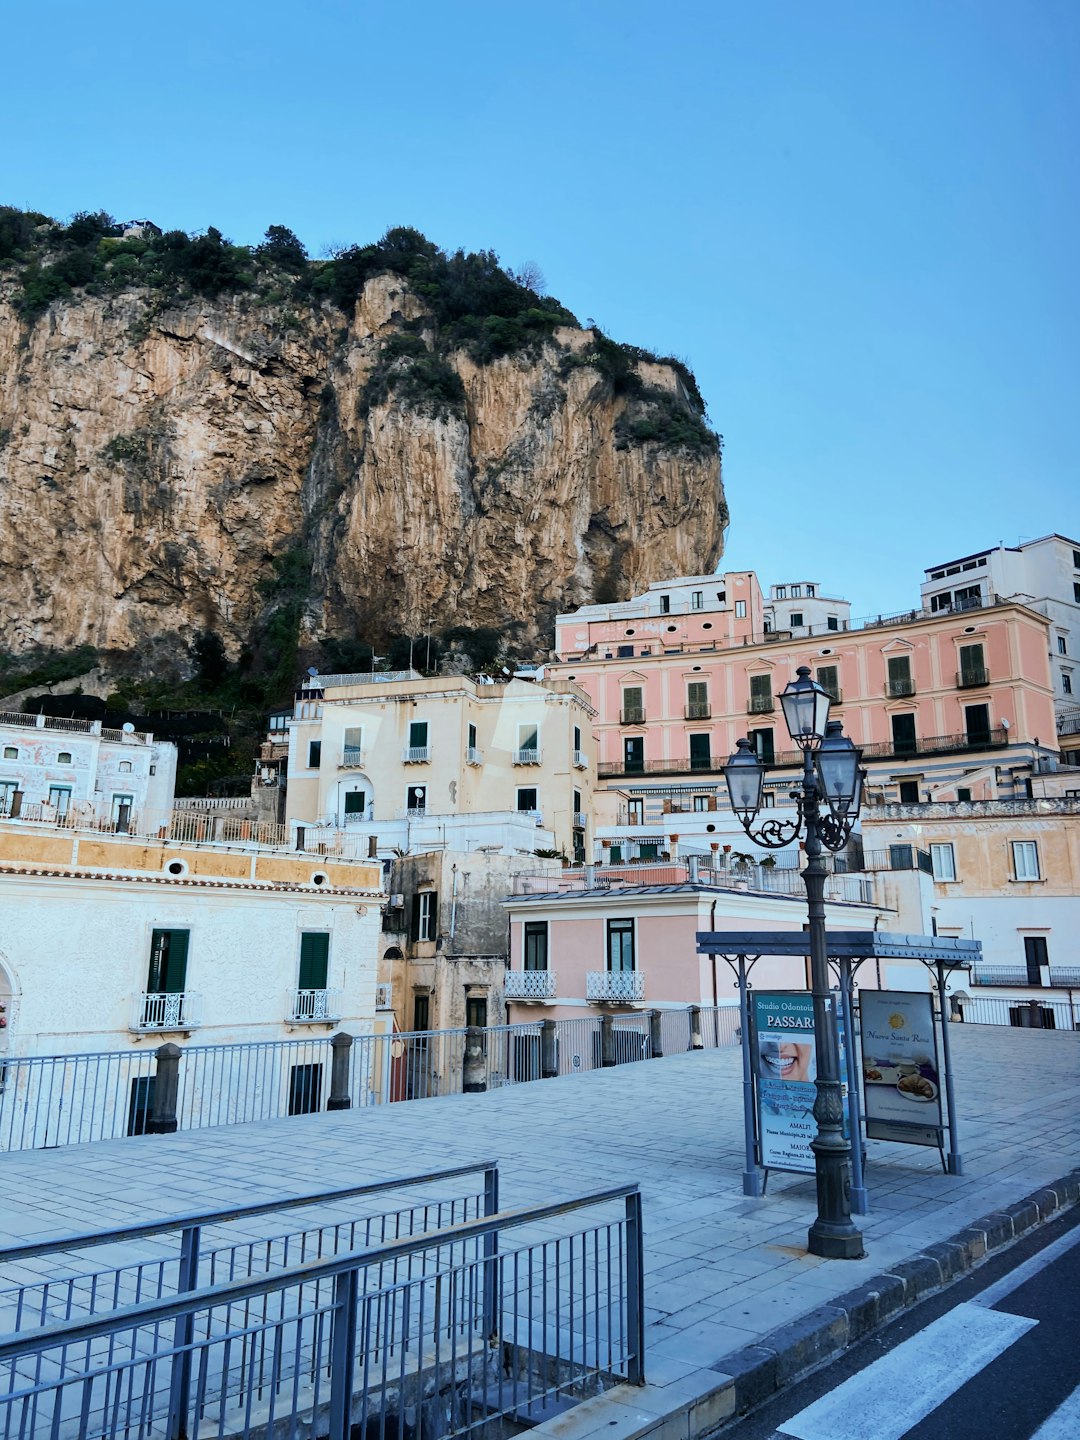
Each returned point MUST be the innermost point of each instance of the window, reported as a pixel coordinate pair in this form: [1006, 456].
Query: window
[1066, 685]
[909, 792]
[701, 802]
[528, 745]
[418, 731]
[762, 743]
[577, 738]
[620, 944]
[972, 669]
[963, 794]
[1076, 559]
[796, 592]
[1076, 592]
[1025, 858]
[943, 862]
[527, 798]
[579, 817]
[425, 912]
[1035, 957]
[121, 808]
[355, 802]
[314, 960]
[167, 972]
[781, 592]
[828, 677]
[632, 706]
[700, 753]
[899, 668]
[796, 617]
[11, 752]
[1062, 648]
[634, 754]
[472, 737]
[416, 799]
[977, 725]
[761, 697]
[8, 789]
[697, 600]
[60, 797]
[740, 607]
[832, 622]
[64, 758]
[809, 592]
[476, 1011]
[314, 754]
[635, 812]
[903, 734]
[665, 604]
[697, 700]
[124, 767]
[535, 947]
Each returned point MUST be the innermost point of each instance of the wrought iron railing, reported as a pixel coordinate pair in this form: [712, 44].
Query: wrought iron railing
[164, 1010]
[614, 987]
[972, 677]
[416, 754]
[529, 985]
[311, 1007]
[352, 758]
[528, 756]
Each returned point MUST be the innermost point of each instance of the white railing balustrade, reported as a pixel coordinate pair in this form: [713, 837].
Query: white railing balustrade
[352, 758]
[614, 987]
[167, 1010]
[579, 760]
[531, 756]
[314, 1007]
[474, 756]
[416, 754]
[529, 985]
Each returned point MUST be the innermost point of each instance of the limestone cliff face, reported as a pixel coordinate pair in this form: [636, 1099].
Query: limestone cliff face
[154, 461]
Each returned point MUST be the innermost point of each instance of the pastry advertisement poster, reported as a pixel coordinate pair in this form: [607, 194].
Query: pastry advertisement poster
[785, 1068]
[901, 1078]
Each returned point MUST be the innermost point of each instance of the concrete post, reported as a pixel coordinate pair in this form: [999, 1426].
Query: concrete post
[162, 1119]
[607, 1041]
[590, 877]
[474, 1065]
[341, 1054]
[656, 1043]
[372, 847]
[1034, 1017]
[693, 861]
[694, 1017]
[549, 1056]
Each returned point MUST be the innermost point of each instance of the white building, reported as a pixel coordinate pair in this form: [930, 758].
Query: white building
[1044, 574]
[80, 770]
[802, 607]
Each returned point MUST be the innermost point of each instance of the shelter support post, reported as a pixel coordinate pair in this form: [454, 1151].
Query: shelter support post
[955, 1161]
[753, 1181]
[859, 1203]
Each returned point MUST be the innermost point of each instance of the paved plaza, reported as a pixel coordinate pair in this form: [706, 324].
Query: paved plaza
[721, 1270]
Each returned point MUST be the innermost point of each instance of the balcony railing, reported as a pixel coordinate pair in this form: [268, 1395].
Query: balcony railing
[633, 716]
[614, 987]
[529, 985]
[474, 756]
[416, 754]
[973, 677]
[1060, 977]
[698, 710]
[579, 760]
[352, 758]
[579, 819]
[760, 705]
[314, 1007]
[528, 756]
[897, 688]
[167, 1010]
[1069, 722]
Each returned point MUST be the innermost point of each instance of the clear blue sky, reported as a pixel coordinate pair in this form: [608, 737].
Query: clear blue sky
[858, 222]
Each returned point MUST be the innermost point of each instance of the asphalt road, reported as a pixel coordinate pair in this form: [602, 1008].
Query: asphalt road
[997, 1357]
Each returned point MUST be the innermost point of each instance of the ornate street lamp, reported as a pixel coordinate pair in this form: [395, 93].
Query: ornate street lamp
[827, 804]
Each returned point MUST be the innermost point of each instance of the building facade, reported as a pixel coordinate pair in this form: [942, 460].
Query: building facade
[372, 754]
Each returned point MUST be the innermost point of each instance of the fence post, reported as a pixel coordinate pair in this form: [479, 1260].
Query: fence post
[474, 1065]
[694, 1017]
[341, 1048]
[1034, 1015]
[635, 1290]
[607, 1041]
[162, 1119]
[491, 1258]
[549, 1056]
[656, 1043]
[343, 1353]
[183, 1334]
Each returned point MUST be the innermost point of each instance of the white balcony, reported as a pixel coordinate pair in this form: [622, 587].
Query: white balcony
[614, 987]
[313, 1007]
[474, 756]
[579, 819]
[527, 757]
[529, 985]
[352, 758]
[416, 754]
[579, 760]
[171, 1010]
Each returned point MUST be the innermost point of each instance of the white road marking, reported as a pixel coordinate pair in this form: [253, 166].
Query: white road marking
[894, 1393]
[1064, 1423]
[994, 1294]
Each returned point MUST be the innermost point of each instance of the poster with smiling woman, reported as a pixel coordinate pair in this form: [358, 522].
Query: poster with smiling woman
[785, 1072]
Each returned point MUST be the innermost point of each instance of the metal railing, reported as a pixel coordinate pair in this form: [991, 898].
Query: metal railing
[972, 678]
[352, 758]
[310, 1007]
[529, 985]
[580, 819]
[1025, 1014]
[760, 705]
[177, 1010]
[453, 1329]
[416, 754]
[897, 688]
[72, 726]
[473, 756]
[614, 987]
[1058, 977]
[579, 760]
[528, 756]
[697, 710]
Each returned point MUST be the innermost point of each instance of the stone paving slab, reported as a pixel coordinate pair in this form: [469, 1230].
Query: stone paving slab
[722, 1271]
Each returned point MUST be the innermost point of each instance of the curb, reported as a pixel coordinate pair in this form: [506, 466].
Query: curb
[757, 1372]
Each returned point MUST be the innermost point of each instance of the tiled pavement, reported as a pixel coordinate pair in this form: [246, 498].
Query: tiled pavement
[721, 1270]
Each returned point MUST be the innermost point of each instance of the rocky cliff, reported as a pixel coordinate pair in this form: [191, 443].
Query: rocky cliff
[172, 462]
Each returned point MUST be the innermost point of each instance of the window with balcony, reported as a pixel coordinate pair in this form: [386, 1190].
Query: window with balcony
[697, 700]
[761, 696]
[425, 916]
[528, 745]
[832, 622]
[418, 751]
[900, 681]
[634, 754]
[7, 795]
[1025, 860]
[60, 799]
[700, 752]
[535, 946]
[972, 666]
[1035, 957]
[472, 754]
[904, 741]
[943, 862]
[977, 725]
[909, 792]
[355, 803]
[314, 960]
[633, 705]
[620, 945]
[416, 800]
[166, 1003]
[120, 812]
[828, 677]
[635, 812]
[762, 743]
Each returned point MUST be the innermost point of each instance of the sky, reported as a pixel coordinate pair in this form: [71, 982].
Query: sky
[857, 222]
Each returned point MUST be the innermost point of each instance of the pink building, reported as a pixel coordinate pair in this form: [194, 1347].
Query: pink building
[584, 949]
[944, 705]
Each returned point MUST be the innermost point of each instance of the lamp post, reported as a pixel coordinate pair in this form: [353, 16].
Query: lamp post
[827, 804]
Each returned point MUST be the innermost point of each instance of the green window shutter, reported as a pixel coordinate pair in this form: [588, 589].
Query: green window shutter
[168, 962]
[761, 687]
[314, 960]
[414, 927]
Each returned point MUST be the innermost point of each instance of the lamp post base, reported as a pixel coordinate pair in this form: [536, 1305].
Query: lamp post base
[835, 1242]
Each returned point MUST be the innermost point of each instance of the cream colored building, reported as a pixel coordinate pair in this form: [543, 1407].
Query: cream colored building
[509, 766]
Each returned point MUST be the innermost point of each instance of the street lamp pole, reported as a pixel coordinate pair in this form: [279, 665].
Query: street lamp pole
[827, 805]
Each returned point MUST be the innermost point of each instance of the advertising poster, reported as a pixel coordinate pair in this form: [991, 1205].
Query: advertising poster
[901, 1081]
[784, 1030]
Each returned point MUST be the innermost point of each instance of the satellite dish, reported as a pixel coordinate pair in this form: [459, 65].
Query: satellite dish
[128, 728]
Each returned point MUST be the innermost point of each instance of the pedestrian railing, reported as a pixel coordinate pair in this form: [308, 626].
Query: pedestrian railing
[483, 1321]
[1029, 1013]
[53, 1100]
